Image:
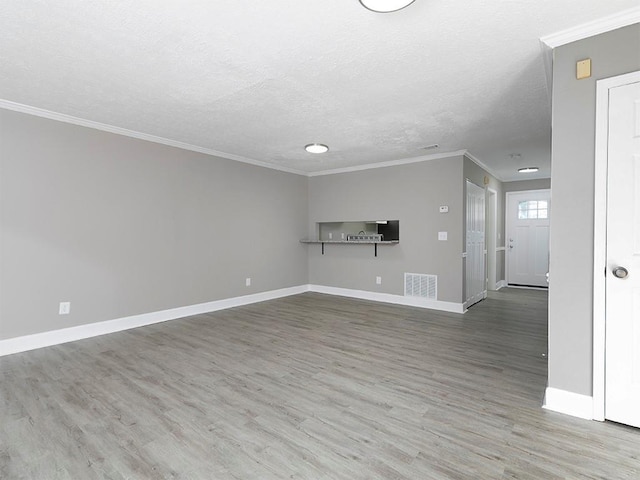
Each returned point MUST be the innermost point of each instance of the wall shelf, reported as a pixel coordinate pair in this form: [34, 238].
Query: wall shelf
[353, 242]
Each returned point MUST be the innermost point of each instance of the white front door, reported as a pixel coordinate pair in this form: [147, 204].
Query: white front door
[475, 285]
[527, 222]
[622, 347]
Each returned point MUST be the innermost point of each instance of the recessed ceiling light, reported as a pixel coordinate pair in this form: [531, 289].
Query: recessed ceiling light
[316, 148]
[528, 169]
[385, 6]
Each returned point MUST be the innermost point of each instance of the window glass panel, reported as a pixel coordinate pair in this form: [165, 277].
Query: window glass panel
[533, 209]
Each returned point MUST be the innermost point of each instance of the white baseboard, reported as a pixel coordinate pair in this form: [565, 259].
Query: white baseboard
[501, 284]
[569, 403]
[64, 335]
[389, 298]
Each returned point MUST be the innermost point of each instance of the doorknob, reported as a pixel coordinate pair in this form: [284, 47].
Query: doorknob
[620, 272]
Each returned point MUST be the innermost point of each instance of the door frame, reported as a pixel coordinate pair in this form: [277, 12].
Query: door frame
[507, 225]
[600, 235]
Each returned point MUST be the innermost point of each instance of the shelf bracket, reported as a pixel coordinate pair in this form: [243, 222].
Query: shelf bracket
[375, 249]
[323, 248]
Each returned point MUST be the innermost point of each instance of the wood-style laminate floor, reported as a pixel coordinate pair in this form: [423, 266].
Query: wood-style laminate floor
[306, 387]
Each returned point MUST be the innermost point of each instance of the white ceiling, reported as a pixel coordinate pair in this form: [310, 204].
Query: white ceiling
[260, 79]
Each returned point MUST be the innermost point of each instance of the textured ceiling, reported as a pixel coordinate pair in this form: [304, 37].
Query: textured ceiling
[260, 79]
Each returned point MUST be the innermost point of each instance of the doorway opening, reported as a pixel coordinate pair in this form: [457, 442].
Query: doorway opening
[527, 230]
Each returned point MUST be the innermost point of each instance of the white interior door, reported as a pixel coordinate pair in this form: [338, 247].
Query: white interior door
[527, 222]
[491, 238]
[622, 347]
[475, 286]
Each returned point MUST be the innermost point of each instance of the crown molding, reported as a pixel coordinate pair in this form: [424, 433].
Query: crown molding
[596, 27]
[482, 165]
[61, 117]
[390, 163]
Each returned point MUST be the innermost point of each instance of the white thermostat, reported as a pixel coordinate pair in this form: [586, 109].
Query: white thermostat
[444, 208]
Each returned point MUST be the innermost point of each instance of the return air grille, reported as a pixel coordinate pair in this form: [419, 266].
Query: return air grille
[419, 285]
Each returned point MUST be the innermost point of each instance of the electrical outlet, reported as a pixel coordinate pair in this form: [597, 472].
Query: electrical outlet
[65, 308]
[442, 236]
[378, 280]
[247, 282]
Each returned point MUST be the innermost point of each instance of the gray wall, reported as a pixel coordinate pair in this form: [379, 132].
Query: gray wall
[524, 185]
[572, 184]
[409, 193]
[119, 226]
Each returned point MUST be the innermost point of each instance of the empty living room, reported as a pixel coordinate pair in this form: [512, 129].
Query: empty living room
[349, 239]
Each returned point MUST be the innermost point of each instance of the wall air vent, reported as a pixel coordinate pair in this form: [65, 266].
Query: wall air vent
[419, 285]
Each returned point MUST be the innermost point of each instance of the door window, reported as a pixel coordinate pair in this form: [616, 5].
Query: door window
[533, 209]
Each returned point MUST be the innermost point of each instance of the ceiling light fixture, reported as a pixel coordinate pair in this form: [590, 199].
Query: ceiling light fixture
[385, 6]
[528, 169]
[316, 148]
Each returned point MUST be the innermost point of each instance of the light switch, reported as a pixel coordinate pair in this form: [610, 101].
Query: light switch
[442, 236]
[583, 69]
[444, 208]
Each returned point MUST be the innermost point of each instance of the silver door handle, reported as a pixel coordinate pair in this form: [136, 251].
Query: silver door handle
[620, 272]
